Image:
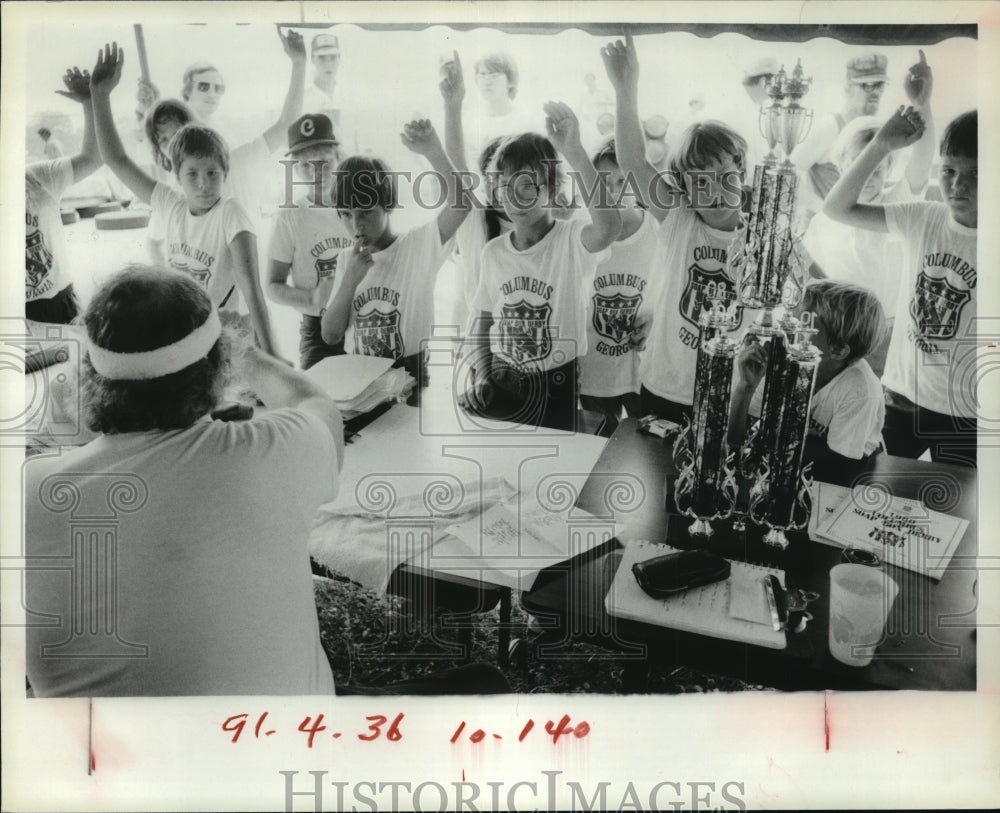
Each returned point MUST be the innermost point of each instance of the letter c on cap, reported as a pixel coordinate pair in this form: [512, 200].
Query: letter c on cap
[307, 128]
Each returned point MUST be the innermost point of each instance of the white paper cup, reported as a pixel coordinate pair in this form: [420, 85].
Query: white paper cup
[860, 599]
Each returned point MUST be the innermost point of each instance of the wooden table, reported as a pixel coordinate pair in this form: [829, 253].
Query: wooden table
[930, 640]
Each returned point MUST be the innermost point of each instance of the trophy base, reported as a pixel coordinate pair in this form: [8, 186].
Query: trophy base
[776, 539]
[700, 527]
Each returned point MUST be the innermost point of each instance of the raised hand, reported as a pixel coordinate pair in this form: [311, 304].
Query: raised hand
[919, 82]
[107, 71]
[621, 64]
[420, 137]
[452, 82]
[146, 94]
[562, 126]
[293, 44]
[904, 127]
[77, 85]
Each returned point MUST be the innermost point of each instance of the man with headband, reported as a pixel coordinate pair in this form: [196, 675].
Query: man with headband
[169, 556]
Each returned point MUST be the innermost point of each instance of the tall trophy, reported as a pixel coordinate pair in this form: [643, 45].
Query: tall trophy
[769, 273]
[779, 496]
[706, 486]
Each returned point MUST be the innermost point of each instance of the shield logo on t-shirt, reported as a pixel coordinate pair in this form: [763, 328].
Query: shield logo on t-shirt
[37, 260]
[524, 331]
[325, 268]
[936, 307]
[614, 316]
[377, 334]
[693, 298]
[199, 275]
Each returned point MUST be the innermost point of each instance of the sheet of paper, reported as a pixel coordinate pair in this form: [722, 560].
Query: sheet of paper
[902, 532]
[346, 377]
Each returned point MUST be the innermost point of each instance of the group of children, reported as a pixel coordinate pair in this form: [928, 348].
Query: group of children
[597, 306]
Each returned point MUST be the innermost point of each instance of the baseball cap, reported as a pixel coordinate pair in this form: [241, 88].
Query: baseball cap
[867, 68]
[764, 65]
[325, 43]
[310, 130]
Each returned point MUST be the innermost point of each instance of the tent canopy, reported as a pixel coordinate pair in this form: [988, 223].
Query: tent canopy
[850, 34]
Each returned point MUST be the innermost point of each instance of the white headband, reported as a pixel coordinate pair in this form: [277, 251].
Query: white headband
[162, 361]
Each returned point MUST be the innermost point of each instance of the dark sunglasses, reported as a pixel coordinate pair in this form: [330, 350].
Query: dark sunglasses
[204, 87]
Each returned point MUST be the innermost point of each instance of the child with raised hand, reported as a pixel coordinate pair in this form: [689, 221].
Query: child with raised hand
[609, 371]
[250, 164]
[532, 327]
[930, 376]
[850, 255]
[485, 223]
[48, 287]
[698, 207]
[383, 303]
[309, 236]
[208, 236]
[847, 410]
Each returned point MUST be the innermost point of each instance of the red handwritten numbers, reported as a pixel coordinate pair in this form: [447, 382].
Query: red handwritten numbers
[313, 726]
[377, 721]
[555, 730]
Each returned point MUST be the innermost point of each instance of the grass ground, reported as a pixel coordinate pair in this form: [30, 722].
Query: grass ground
[372, 641]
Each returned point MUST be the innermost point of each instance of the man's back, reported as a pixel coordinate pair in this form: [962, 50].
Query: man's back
[175, 563]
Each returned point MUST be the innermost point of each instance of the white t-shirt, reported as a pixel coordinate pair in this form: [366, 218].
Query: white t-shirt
[848, 412]
[537, 296]
[481, 129]
[932, 354]
[471, 238]
[692, 254]
[309, 238]
[393, 308]
[206, 530]
[617, 295]
[869, 258]
[250, 169]
[46, 271]
[199, 244]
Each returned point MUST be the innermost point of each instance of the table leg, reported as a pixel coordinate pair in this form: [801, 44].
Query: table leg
[503, 632]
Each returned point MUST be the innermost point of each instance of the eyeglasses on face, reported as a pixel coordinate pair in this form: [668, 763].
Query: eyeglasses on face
[205, 87]
[869, 87]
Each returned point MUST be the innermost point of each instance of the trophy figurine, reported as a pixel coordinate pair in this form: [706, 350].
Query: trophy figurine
[762, 266]
[779, 497]
[706, 484]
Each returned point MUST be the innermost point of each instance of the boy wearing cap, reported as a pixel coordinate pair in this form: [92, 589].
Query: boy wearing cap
[308, 236]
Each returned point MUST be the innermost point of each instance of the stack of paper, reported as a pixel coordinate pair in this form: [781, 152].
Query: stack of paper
[358, 384]
[902, 532]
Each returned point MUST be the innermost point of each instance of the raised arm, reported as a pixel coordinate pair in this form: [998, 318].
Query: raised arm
[105, 77]
[88, 159]
[337, 316]
[918, 84]
[420, 137]
[903, 128]
[278, 385]
[622, 65]
[244, 254]
[452, 86]
[605, 220]
[295, 47]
